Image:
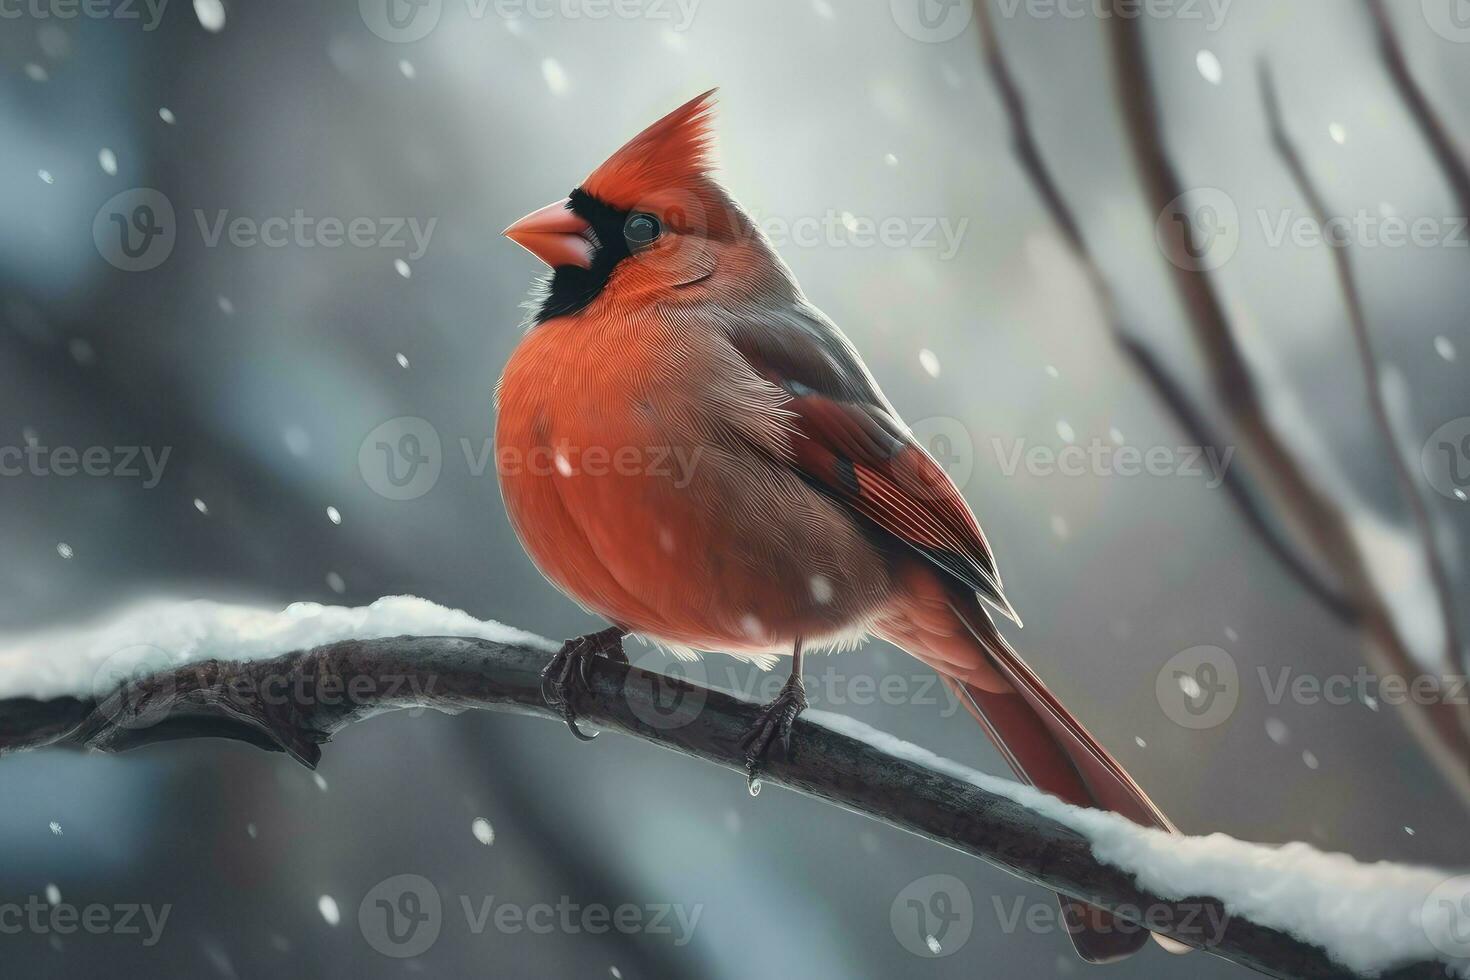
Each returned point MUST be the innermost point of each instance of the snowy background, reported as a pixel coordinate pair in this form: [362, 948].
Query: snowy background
[263, 372]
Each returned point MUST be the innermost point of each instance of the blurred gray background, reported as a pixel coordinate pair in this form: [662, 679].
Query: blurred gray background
[263, 369]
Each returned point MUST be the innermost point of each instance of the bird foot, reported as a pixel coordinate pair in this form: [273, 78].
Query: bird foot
[569, 673]
[775, 719]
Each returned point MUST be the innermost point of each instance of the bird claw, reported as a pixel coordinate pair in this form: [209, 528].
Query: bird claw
[776, 719]
[569, 673]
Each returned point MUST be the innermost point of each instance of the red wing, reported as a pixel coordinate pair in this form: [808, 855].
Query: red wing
[863, 457]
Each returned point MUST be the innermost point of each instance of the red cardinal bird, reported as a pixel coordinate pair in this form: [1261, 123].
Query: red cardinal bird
[691, 449]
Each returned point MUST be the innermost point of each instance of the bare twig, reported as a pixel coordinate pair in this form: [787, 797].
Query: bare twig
[295, 702]
[1313, 516]
[1363, 344]
[1436, 133]
[1173, 396]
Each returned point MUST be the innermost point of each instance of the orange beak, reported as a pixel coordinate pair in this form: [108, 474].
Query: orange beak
[555, 235]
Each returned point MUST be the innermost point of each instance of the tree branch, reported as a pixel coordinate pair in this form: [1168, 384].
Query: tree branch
[1436, 133]
[295, 702]
[1368, 362]
[1173, 396]
[1314, 516]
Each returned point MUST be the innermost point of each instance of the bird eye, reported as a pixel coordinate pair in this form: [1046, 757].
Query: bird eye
[641, 230]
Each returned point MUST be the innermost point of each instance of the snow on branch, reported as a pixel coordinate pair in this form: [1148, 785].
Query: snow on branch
[287, 681]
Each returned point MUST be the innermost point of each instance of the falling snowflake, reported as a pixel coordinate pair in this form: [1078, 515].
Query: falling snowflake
[1065, 431]
[402, 360]
[1209, 66]
[64, 550]
[56, 828]
[1277, 731]
[225, 306]
[46, 176]
[320, 780]
[327, 905]
[1445, 347]
[555, 75]
[334, 515]
[929, 361]
[1338, 132]
[53, 894]
[201, 506]
[484, 833]
[107, 160]
[406, 68]
[167, 115]
[336, 583]
[211, 14]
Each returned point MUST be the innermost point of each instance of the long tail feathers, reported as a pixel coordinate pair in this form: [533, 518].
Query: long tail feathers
[1042, 742]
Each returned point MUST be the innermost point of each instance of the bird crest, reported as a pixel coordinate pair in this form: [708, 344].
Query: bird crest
[674, 152]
